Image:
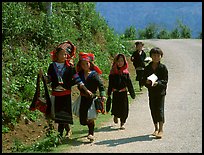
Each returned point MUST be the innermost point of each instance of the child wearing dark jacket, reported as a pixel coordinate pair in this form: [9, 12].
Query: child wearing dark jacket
[62, 75]
[90, 76]
[119, 84]
[138, 59]
[155, 79]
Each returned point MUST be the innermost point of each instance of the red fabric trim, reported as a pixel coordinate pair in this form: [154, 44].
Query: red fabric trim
[121, 90]
[86, 56]
[61, 93]
[97, 69]
[89, 57]
[64, 45]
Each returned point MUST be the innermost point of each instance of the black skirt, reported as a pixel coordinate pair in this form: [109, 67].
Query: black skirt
[63, 109]
[120, 106]
[83, 110]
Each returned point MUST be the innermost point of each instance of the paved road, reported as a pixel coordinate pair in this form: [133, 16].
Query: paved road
[183, 109]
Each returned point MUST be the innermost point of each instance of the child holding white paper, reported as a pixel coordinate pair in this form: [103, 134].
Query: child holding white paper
[156, 90]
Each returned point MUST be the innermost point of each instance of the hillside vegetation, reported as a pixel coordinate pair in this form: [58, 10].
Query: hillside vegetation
[29, 34]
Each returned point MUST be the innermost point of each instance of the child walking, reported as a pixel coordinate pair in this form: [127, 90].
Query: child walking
[120, 83]
[138, 59]
[157, 90]
[89, 74]
[62, 76]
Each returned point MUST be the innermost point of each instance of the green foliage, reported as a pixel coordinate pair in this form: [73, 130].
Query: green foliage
[163, 34]
[151, 31]
[154, 31]
[142, 34]
[28, 35]
[175, 34]
[185, 31]
[130, 33]
[46, 144]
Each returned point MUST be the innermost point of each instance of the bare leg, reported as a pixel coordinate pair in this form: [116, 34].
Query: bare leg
[91, 125]
[60, 129]
[156, 129]
[161, 126]
[68, 130]
[160, 134]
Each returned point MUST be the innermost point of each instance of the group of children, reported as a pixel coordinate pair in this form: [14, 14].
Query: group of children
[62, 74]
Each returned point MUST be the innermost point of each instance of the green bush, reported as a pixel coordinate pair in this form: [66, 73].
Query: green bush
[29, 34]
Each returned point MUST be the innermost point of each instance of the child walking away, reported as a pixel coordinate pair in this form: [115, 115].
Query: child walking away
[138, 59]
[155, 79]
[119, 84]
[62, 76]
[89, 74]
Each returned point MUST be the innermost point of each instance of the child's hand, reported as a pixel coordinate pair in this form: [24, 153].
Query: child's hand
[90, 93]
[148, 82]
[155, 84]
[103, 98]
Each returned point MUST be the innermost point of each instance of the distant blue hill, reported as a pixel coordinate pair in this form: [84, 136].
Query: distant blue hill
[121, 15]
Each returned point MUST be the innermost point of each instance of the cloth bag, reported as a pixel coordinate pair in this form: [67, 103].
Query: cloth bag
[92, 113]
[39, 102]
[76, 106]
[99, 104]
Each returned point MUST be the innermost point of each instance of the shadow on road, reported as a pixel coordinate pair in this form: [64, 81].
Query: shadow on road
[106, 129]
[121, 141]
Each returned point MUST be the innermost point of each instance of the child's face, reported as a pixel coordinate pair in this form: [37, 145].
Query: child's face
[61, 56]
[156, 57]
[85, 65]
[120, 62]
[139, 47]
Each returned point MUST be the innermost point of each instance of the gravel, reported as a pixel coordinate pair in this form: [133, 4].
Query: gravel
[183, 110]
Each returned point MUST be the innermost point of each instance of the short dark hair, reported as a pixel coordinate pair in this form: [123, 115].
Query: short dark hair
[139, 42]
[156, 50]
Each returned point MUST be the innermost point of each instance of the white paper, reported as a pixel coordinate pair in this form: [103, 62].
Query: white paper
[148, 59]
[153, 78]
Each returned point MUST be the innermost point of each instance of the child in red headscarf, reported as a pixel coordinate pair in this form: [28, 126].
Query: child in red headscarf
[119, 84]
[89, 74]
[62, 76]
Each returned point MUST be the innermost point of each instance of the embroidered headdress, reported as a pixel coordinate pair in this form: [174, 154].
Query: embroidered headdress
[69, 47]
[90, 58]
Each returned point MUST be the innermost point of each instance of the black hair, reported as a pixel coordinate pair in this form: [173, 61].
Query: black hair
[121, 55]
[138, 42]
[58, 49]
[156, 50]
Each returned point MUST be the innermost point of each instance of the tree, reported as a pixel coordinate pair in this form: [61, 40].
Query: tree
[150, 31]
[163, 34]
[185, 31]
[49, 8]
[175, 34]
[141, 34]
[130, 33]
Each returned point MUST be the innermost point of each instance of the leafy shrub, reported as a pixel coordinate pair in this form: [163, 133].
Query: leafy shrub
[28, 37]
